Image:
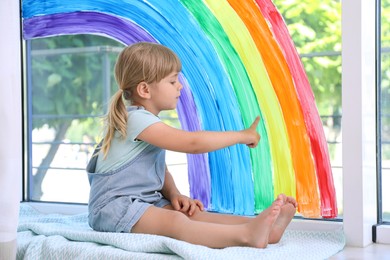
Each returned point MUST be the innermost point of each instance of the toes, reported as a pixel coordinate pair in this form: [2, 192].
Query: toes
[281, 197]
[292, 201]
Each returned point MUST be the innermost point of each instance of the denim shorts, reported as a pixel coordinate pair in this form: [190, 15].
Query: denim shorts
[121, 214]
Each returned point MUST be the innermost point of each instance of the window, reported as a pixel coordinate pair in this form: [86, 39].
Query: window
[70, 82]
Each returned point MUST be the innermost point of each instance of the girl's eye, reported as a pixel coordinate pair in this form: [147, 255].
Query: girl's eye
[173, 82]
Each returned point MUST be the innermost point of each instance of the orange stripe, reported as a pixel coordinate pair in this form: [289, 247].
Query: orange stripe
[279, 73]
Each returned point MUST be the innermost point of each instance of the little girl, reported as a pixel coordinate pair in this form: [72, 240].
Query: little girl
[131, 187]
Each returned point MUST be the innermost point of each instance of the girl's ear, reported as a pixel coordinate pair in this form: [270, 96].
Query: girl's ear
[143, 90]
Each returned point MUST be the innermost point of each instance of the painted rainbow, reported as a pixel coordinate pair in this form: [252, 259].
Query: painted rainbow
[238, 62]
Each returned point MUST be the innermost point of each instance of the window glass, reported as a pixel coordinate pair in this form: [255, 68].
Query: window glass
[70, 82]
[385, 107]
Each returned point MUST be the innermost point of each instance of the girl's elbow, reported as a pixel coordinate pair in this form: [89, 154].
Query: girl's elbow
[195, 147]
[197, 151]
[194, 150]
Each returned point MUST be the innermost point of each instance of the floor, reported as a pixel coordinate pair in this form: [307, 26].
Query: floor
[374, 251]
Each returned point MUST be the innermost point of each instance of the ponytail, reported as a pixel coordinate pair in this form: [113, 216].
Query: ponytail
[116, 119]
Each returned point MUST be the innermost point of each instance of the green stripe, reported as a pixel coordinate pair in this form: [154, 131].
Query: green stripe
[260, 156]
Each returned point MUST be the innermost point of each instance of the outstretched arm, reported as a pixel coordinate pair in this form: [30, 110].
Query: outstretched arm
[173, 139]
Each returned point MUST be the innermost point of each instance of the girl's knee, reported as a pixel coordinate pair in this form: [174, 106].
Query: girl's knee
[179, 216]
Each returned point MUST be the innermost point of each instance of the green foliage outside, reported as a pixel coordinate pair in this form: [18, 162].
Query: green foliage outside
[70, 84]
[315, 27]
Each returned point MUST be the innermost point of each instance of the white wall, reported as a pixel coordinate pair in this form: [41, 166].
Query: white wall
[358, 101]
[11, 125]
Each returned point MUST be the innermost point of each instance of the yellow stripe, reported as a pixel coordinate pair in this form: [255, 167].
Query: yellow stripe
[284, 180]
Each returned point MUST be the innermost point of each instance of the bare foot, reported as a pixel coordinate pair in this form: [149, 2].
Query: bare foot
[287, 212]
[261, 226]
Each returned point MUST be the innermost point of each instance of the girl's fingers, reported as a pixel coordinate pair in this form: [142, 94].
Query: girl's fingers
[256, 122]
[185, 206]
[192, 209]
[175, 205]
[199, 204]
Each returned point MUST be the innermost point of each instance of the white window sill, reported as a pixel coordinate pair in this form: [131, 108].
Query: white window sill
[315, 225]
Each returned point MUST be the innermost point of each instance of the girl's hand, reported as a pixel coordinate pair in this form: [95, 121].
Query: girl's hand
[252, 137]
[186, 205]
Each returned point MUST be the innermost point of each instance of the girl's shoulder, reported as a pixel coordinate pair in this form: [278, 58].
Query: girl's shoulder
[139, 119]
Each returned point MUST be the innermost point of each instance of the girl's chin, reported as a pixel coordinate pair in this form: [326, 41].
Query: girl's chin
[169, 108]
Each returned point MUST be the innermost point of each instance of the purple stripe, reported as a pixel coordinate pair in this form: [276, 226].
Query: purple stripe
[85, 22]
[198, 169]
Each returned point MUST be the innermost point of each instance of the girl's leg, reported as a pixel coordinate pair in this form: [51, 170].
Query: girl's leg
[217, 218]
[174, 224]
[286, 214]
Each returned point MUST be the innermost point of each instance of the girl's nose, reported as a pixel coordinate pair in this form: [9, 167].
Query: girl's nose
[180, 85]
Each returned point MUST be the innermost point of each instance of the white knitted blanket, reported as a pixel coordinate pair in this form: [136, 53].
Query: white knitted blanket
[54, 236]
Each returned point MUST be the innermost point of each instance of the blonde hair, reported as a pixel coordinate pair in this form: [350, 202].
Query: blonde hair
[140, 62]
